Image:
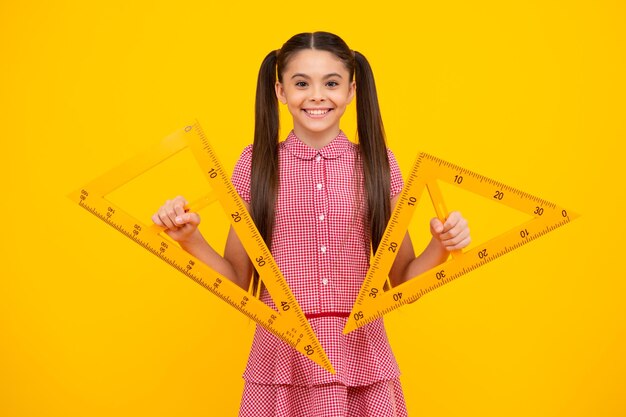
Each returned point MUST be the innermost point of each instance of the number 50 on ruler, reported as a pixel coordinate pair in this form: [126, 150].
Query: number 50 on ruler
[373, 301]
[289, 323]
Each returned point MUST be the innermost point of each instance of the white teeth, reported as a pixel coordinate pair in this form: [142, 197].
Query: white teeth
[317, 112]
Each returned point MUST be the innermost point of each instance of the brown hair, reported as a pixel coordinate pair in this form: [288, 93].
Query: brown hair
[370, 133]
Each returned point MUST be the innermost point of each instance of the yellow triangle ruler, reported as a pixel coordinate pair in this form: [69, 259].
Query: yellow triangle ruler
[373, 301]
[290, 324]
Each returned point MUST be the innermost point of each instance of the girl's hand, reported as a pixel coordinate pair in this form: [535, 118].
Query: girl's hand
[179, 224]
[453, 234]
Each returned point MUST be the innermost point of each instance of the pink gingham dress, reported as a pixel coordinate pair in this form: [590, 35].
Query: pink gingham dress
[321, 244]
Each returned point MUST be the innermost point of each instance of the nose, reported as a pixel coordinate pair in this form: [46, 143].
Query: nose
[317, 93]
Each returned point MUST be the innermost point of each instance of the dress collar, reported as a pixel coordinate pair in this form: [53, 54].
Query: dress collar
[334, 149]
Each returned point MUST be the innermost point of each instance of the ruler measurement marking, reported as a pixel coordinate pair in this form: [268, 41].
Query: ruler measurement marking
[546, 217]
[289, 325]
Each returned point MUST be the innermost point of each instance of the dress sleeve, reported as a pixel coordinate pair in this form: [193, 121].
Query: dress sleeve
[241, 174]
[396, 176]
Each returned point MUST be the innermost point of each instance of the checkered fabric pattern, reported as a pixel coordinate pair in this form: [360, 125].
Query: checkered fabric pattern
[381, 399]
[322, 246]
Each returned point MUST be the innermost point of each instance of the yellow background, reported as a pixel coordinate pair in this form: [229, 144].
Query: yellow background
[530, 93]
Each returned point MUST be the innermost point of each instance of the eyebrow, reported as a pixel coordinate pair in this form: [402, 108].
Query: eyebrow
[333, 74]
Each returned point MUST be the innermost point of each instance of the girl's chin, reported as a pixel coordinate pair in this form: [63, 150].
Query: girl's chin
[316, 127]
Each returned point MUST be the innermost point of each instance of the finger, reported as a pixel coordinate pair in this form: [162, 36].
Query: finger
[455, 236]
[179, 204]
[167, 215]
[459, 241]
[436, 225]
[179, 210]
[453, 219]
[188, 218]
[462, 244]
[455, 230]
[157, 220]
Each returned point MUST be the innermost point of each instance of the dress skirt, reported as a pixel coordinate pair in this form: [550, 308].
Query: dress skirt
[380, 399]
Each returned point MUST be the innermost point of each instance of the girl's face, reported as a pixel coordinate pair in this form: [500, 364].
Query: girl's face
[316, 88]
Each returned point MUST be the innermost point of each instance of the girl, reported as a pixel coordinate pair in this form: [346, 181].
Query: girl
[321, 204]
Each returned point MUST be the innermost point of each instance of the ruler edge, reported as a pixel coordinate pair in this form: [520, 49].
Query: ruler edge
[422, 184]
[235, 198]
[75, 197]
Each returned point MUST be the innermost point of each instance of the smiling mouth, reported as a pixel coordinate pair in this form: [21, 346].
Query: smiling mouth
[316, 112]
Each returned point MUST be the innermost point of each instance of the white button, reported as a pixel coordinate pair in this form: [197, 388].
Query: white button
[323, 249]
[319, 186]
[321, 217]
[325, 281]
[317, 158]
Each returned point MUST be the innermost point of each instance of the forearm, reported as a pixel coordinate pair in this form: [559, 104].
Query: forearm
[200, 248]
[449, 236]
[434, 254]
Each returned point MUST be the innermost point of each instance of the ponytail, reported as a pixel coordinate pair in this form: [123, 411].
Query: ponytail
[264, 170]
[373, 150]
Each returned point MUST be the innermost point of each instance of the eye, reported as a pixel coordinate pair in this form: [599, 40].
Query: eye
[332, 84]
[301, 84]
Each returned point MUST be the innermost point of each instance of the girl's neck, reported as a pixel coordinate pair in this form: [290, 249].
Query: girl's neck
[316, 140]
